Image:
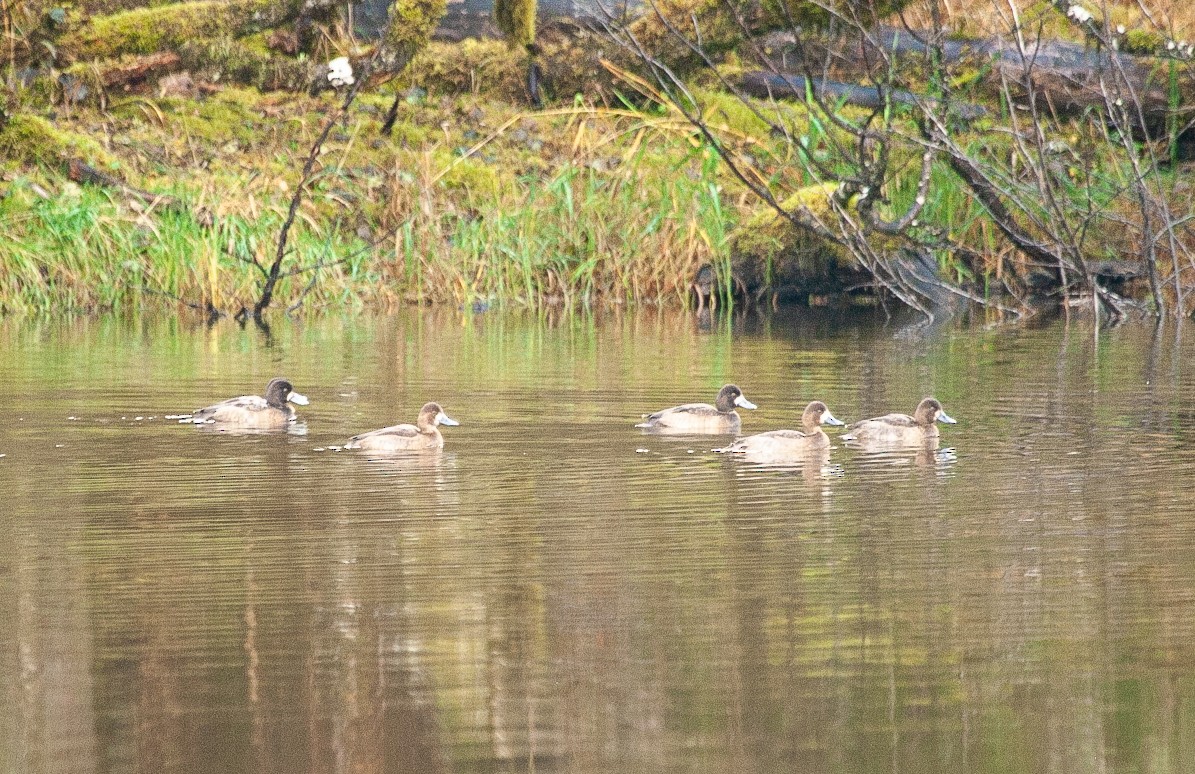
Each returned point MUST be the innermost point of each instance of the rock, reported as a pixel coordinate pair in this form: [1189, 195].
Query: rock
[177, 85]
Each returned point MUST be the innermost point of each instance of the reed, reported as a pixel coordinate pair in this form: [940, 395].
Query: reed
[625, 209]
[577, 237]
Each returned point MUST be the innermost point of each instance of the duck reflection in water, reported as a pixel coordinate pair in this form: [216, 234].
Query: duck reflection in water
[703, 287]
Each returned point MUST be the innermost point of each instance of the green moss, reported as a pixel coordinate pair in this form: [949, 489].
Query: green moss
[38, 92]
[768, 248]
[727, 112]
[146, 30]
[410, 28]
[33, 139]
[412, 135]
[516, 20]
[228, 116]
[245, 61]
[98, 7]
[474, 177]
[721, 32]
[1143, 42]
[472, 66]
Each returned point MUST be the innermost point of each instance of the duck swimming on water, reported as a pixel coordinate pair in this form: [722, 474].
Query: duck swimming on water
[424, 435]
[702, 417]
[253, 411]
[782, 443]
[900, 429]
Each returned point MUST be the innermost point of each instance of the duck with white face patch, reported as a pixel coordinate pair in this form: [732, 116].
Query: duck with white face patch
[900, 429]
[254, 412]
[701, 417]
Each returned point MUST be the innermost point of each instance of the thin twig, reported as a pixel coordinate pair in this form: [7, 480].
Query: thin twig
[267, 291]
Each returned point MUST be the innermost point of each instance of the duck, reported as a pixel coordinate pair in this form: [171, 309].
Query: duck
[424, 435]
[785, 443]
[702, 417]
[900, 429]
[253, 411]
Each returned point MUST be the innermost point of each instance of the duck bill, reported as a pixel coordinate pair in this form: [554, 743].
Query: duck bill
[943, 417]
[444, 419]
[297, 399]
[830, 419]
[742, 402]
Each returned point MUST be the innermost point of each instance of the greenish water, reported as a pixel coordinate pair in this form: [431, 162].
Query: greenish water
[558, 591]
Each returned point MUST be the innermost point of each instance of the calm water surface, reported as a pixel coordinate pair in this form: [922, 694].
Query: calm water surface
[557, 591]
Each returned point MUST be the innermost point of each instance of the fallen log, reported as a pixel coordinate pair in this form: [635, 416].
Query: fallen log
[789, 86]
[1071, 78]
[1066, 78]
[138, 69]
[166, 27]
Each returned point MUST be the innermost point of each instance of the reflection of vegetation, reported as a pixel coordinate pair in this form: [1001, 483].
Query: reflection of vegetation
[561, 595]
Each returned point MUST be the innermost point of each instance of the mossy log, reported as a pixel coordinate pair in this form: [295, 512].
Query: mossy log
[33, 139]
[409, 29]
[227, 59]
[516, 21]
[768, 85]
[126, 71]
[572, 64]
[1070, 78]
[218, 39]
[718, 24]
[149, 30]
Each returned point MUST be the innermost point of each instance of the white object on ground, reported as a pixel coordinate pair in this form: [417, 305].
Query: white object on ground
[340, 72]
[1079, 13]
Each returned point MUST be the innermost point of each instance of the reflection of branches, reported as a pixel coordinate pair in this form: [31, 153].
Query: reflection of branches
[306, 290]
[207, 307]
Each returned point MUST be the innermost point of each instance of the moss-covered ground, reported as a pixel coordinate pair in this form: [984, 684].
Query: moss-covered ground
[473, 198]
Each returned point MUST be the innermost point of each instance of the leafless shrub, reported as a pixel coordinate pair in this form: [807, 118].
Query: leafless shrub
[1073, 159]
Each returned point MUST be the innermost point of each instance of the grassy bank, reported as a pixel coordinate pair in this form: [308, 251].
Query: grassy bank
[471, 200]
[475, 200]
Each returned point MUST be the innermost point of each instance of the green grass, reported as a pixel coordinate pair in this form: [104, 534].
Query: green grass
[474, 200]
[628, 215]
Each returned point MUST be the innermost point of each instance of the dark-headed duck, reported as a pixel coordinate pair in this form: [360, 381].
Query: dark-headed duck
[702, 417]
[421, 436]
[783, 443]
[900, 429]
[253, 411]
